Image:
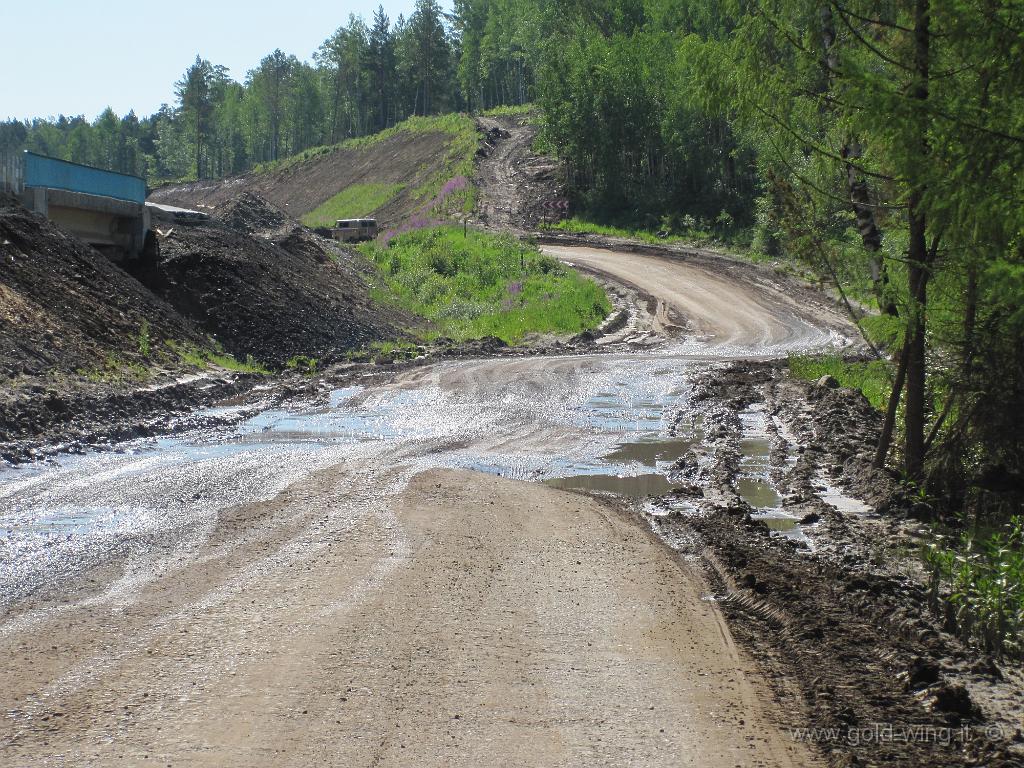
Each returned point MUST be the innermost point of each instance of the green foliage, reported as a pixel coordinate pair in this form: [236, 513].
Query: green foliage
[477, 285]
[985, 580]
[454, 124]
[303, 364]
[195, 357]
[871, 378]
[392, 350]
[883, 330]
[459, 162]
[686, 230]
[352, 202]
[500, 45]
[510, 110]
[620, 108]
[144, 338]
[114, 369]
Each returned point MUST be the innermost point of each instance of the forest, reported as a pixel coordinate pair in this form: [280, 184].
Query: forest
[878, 142]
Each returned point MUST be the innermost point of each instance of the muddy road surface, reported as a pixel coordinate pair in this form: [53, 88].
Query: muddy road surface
[362, 577]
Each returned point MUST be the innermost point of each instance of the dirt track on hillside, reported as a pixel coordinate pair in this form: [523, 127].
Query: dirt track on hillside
[514, 183]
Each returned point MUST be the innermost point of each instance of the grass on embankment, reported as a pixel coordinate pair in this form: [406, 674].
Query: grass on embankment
[510, 110]
[871, 378]
[476, 284]
[352, 202]
[458, 161]
[193, 356]
[693, 234]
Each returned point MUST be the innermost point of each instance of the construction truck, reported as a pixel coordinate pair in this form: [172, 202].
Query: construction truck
[354, 230]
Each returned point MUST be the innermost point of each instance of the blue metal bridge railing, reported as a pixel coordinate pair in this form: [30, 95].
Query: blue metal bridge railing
[40, 171]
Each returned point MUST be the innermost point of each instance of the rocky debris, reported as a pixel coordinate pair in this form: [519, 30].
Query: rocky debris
[515, 184]
[492, 136]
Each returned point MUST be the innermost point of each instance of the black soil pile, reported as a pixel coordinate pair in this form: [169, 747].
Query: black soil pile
[90, 353]
[66, 309]
[251, 214]
[272, 299]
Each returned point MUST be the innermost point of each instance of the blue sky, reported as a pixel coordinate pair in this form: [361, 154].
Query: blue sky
[79, 57]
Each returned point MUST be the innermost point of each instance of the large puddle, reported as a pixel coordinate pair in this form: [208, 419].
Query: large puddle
[755, 480]
[598, 424]
[602, 424]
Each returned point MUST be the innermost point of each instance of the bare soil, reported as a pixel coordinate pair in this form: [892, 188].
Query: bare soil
[515, 182]
[410, 159]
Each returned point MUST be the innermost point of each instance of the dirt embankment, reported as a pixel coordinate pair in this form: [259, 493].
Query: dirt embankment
[90, 352]
[407, 158]
[66, 308]
[82, 343]
[265, 287]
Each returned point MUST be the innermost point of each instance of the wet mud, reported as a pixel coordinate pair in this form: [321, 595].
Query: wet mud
[759, 481]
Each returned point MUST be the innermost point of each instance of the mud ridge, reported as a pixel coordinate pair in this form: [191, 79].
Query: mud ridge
[838, 619]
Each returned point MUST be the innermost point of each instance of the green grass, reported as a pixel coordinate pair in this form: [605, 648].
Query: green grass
[985, 580]
[115, 369]
[352, 202]
[883, 330]
[478, 284]
[509, 110]
[391, 350]
[144, 338]
[871, 378]
[694, 234]
[303, 364]
[193, 356]
[459, 161]
[581, 226]
[454, 124]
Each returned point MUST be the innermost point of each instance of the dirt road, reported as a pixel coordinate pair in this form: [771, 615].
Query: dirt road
[468, 621]
[722, 302]
[327, 585]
